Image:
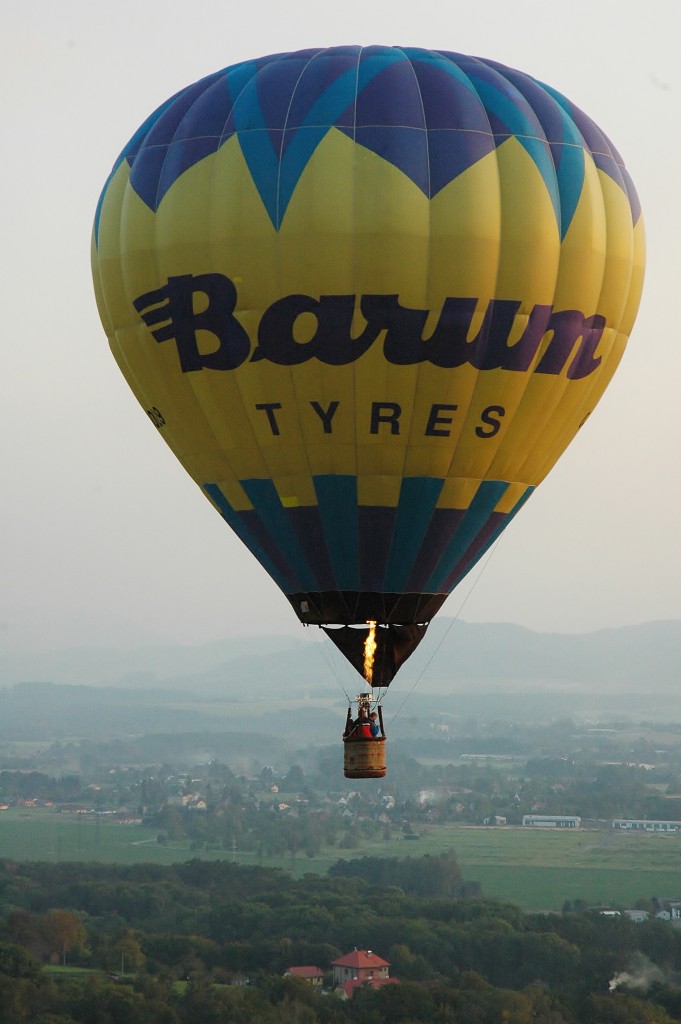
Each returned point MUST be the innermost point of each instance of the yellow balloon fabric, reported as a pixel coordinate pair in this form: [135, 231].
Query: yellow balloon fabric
[368, 296]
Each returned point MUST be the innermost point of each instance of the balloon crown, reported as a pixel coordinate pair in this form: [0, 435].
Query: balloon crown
[400, 103]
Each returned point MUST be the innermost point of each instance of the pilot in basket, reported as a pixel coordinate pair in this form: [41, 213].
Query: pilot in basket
[364, 740]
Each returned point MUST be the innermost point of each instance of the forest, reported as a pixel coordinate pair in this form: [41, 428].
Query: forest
[210, 942]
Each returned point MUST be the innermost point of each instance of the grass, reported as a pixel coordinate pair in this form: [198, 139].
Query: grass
[44, 834]
[535, 868]
[61, 971]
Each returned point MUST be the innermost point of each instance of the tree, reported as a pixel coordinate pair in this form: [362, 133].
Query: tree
[26, 930]
[63, 930]
[406, 965]
[126, 954]
[17, 962]
[294, 780]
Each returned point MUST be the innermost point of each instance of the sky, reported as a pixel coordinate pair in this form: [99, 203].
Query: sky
[105, 539]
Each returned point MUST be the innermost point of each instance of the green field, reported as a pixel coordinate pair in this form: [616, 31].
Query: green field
[534, 868]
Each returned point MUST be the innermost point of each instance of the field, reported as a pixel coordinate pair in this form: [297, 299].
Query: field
[536, 869]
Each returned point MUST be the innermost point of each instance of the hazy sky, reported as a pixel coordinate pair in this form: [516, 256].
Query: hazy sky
[105, 540]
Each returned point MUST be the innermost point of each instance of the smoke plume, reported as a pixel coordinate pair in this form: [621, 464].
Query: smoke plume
[641, 975]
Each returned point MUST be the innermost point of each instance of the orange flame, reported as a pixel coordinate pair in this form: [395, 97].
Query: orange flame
[370, 651]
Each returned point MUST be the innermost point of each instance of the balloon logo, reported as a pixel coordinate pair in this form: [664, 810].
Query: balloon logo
[368, 296]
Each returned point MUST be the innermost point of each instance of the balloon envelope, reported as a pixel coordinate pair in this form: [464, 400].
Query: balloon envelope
[368, 296]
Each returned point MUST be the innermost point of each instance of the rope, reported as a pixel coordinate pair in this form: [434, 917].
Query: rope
[333, 663]
[381, 698]
[447, 631]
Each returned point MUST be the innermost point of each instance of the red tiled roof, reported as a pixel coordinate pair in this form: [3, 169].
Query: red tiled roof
[305, 972]
[350, 987]
[361, 958]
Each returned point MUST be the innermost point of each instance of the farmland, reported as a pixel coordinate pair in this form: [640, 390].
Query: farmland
[536, 869]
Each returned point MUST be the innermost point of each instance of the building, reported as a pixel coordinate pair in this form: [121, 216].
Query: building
[637, 916]
[362, 965]
[313, 975]
[644, 825]
[670, 910]
[348, 990]
[552, 820]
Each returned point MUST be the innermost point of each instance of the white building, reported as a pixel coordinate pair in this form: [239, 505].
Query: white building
[552, 820]
[645, 825]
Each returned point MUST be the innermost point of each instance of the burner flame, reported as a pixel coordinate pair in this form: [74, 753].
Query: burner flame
[369, 652]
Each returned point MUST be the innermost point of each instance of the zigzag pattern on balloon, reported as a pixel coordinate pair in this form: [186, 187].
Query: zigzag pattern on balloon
[401, 104]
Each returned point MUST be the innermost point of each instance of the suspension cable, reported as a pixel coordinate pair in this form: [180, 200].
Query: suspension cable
[447, 631]
[332, 664]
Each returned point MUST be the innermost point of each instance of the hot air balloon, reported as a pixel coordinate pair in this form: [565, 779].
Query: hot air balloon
[368, 296]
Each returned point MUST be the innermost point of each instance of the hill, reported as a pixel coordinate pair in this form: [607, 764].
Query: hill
[454, 655]
[280, 686]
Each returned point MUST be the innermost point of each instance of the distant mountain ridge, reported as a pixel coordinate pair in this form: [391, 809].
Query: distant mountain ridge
[297, 689]
[454, 655]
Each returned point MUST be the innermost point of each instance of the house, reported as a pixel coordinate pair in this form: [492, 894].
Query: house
[669, 910]
[362, 965]
[552, 820]
[313, 975]
[348, 990]
[644, 825]
[637, 916]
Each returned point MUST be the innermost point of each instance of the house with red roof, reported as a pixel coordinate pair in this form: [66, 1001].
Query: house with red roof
[362, 965]
[348, 990]
[313, 975]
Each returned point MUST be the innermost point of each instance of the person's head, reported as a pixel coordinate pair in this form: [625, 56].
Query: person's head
[373, 715]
